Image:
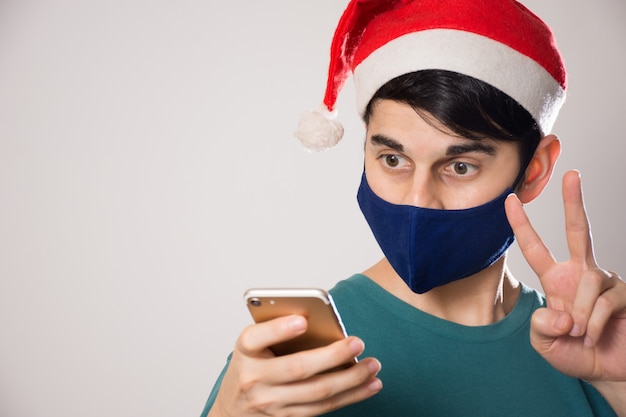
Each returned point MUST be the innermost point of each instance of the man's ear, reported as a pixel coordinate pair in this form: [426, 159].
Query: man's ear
[540, 168]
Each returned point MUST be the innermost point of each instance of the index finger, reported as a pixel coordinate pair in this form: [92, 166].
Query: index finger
[577, 227]
[532, 247]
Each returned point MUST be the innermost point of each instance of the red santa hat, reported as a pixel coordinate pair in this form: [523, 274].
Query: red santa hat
[499, 42]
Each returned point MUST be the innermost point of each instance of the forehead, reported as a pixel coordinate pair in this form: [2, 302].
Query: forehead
[399, 126]
[399, 120]
[391, 113]
[402, 118]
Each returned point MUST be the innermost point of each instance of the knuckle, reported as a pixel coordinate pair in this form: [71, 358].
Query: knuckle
[595, 279]
[247, 339]
[323, 390]
[296, 368]
[538, 318]
[257, 400]
[248, 384]
[258, 406]
[261, 407]
[604, 303]
[330, 404]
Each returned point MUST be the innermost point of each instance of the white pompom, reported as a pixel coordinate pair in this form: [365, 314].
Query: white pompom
[318, 131]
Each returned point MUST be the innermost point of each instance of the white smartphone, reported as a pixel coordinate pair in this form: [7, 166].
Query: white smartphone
[316, 305]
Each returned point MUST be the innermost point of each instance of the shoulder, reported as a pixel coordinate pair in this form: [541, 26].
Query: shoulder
[531, 296]
[347, 287]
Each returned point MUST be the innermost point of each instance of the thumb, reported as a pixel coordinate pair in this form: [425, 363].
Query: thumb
[546, 325]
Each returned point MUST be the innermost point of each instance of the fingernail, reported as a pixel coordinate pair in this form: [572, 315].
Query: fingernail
[588, 342]
[376, 385]
[575, 331]
[356, 346]
[374, 367]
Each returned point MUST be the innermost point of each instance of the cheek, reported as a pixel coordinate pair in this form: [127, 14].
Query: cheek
[382, 185]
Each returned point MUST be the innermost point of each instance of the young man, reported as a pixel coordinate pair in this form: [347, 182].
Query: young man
[458, 97]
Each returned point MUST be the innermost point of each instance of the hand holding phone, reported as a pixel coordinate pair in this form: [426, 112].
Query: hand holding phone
[316, 305]
[307, 383]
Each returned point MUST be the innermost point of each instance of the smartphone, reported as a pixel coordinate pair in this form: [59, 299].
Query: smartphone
[316, 305]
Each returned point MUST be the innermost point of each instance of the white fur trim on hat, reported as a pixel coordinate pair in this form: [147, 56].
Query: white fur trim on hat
[490, 61]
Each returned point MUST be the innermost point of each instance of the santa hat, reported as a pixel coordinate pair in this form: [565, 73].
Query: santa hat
[499, 42]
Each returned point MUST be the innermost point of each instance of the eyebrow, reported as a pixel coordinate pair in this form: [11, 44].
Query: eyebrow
[382, 140]
[474, 146]
[471, 147]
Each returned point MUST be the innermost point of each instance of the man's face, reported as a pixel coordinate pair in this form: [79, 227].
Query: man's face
[413, 162]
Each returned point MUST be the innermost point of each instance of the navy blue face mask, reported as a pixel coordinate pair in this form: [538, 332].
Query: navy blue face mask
[429, 247]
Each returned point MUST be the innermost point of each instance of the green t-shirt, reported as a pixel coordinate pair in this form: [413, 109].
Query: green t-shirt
[433, 367]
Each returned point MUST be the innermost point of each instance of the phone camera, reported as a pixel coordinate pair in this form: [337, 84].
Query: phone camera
[255, 302]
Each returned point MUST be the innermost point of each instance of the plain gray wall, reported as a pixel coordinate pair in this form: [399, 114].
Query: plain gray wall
[148, 176]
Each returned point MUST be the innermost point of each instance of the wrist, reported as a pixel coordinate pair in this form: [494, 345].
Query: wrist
[615, 393]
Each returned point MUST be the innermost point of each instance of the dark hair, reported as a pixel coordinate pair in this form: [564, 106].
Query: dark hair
[467, 106]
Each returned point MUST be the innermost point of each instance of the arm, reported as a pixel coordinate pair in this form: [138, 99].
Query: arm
[582, 332]
[257, 383]
[614, 393]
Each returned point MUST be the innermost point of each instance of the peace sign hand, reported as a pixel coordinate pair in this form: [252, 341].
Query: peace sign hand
[582, 332]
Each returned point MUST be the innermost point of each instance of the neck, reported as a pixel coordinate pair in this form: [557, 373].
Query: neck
[481, 299]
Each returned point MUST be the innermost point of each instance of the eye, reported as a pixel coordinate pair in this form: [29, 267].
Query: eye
[393, 160]
[460, 168]
[463, 168]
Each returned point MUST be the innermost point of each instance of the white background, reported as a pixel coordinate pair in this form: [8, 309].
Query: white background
[148, 176]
